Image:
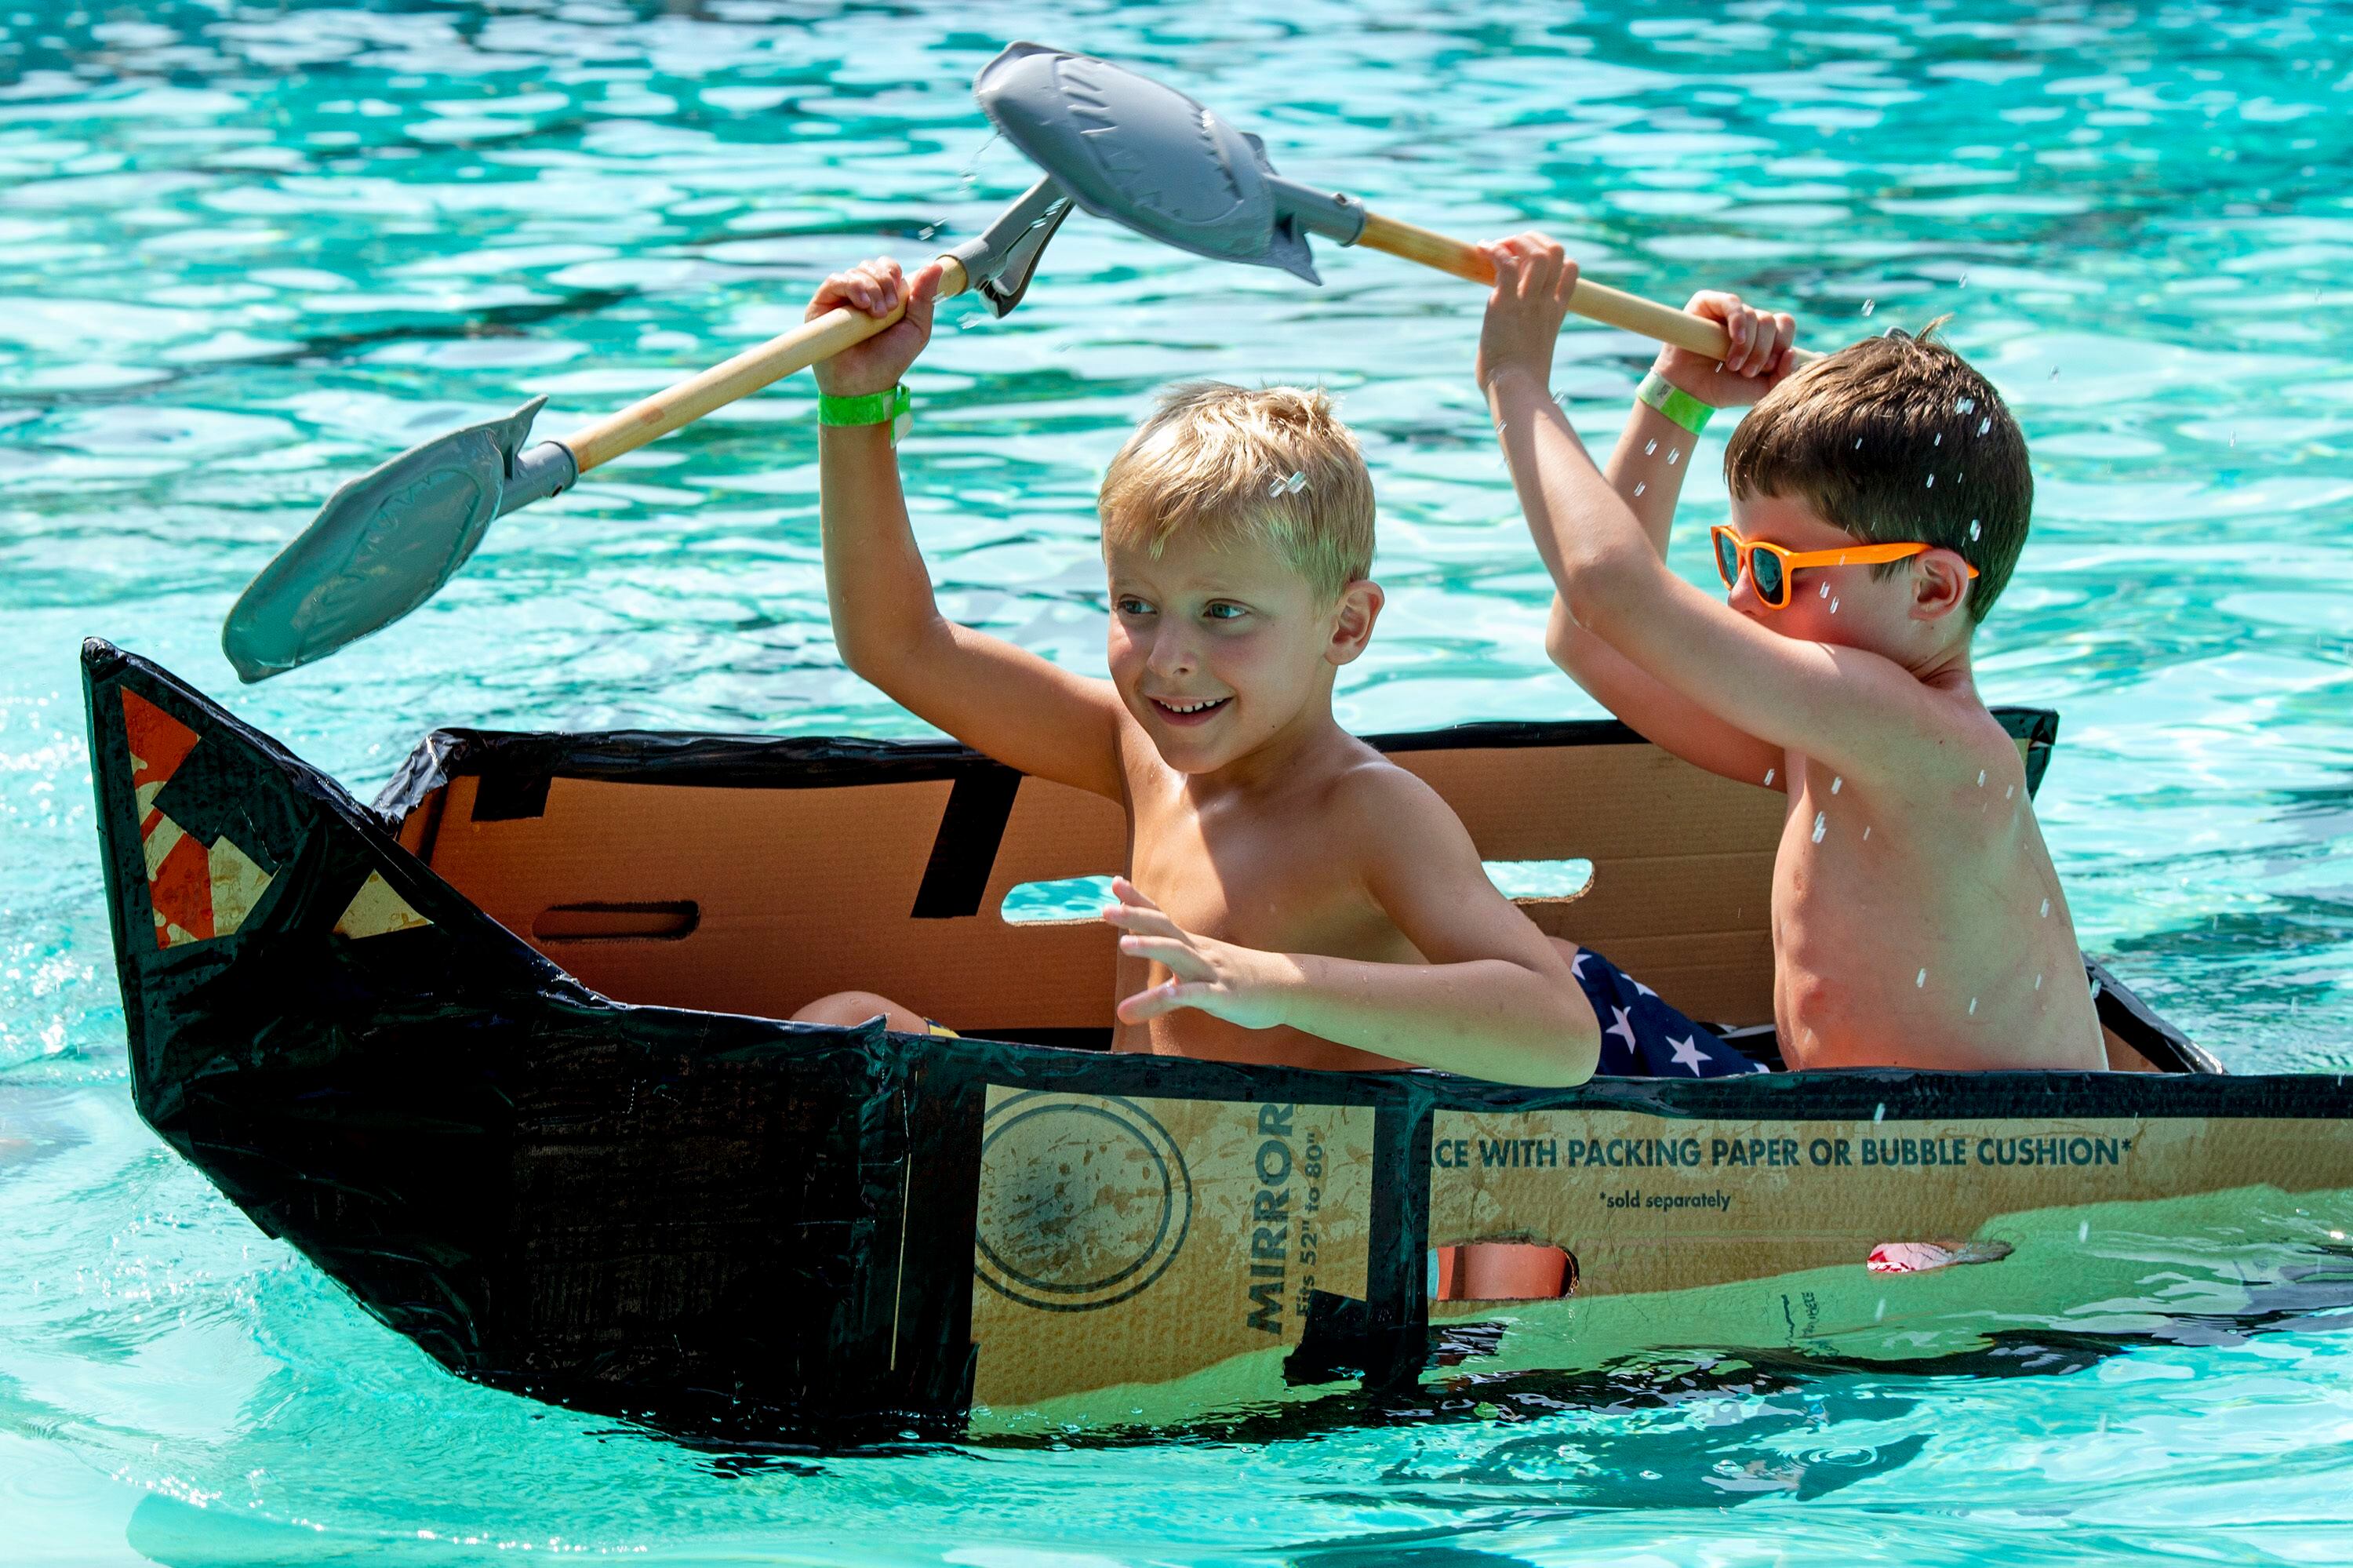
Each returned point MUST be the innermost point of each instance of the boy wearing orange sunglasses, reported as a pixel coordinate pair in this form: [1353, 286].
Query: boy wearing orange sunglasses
[1880, 498]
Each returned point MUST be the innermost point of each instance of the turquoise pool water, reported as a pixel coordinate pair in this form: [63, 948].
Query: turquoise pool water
[248, 251]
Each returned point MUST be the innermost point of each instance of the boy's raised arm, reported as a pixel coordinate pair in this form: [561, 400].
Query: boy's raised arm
[1647, 470]
[994, 697]
[1496, 1001]
[1854, 709]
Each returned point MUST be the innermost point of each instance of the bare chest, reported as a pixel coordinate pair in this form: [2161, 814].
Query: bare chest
[1272, 881]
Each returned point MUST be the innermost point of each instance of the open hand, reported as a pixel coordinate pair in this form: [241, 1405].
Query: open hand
[1240, 985]
[878, 288]
[1755, 363]
[1534, 280]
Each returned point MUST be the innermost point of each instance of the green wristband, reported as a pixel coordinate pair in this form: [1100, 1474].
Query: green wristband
[871, 408]
[1676, 404]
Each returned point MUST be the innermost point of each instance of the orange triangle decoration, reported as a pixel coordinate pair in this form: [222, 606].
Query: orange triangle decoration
[159, 744]
[179, 872]
[196, 892]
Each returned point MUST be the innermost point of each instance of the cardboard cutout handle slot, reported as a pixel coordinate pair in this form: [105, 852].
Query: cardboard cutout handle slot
[1502, 1271]
[1520, 879]
[666, 922]
[1060, 902]
[1920, 1257]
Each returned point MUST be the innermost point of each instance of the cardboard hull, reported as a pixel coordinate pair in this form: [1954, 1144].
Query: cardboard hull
[740, 1228]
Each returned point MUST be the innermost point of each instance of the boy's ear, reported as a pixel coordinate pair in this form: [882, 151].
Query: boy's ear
[1940, 584]
[1360, 605]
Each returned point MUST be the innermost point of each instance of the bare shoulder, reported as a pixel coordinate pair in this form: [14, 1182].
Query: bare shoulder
[1392, 812]
[1373, 783]
[1961, 744]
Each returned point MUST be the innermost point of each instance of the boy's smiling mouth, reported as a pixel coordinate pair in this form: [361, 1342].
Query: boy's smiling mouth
[1188, 710]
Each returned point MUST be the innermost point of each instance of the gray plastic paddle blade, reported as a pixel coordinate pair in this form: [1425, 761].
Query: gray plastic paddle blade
[1130, 150]
[382, 545]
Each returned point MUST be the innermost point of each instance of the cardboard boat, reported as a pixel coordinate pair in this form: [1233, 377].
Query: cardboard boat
[501, 1056]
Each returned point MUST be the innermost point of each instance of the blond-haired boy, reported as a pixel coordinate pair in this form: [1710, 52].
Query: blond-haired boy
[1310, 903]
[1880, 498]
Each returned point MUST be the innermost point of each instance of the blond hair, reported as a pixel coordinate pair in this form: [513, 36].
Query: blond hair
[1894, 440]
[1227, 463]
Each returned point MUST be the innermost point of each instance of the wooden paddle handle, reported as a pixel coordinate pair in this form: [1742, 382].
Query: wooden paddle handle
[666, 410]
[1592, 300]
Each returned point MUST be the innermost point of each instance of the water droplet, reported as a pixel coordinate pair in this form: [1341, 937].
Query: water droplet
[973, 163]
[1985, 424]
[1920, 980]
[1858, 443]
[1879, 1111]
[1651, 447]
[2008, 790]
[2046, 909]
[1825, 593]
[1297, 482]
[2234, 437]
[1973, 1007]
[1980, 778]
[1821, 825]
[1974, 528]
[1833, 607]
[1639, 488]
[1875, 1316]
[2054, 373]
[1768, 778]
[1868, 305]
[1931, 484]
[1674, 454]
[1866, 834]
[927, 231]
[1964, 405]
[2084, 1230]
[2038, 982]
[1940, 440]
[1965, 279]
[1838, 783]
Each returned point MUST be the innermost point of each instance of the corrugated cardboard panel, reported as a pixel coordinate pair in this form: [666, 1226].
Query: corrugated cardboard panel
[797, 893]
[1650, 1204]
[1596, 801]
[1057, 831]
[1683, 860]
[1136, 1240]
[1668, 896]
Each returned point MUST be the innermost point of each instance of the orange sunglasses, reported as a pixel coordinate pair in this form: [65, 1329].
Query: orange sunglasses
[1771, 567]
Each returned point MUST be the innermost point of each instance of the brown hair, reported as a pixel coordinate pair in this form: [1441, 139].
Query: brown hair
[1275, 464]
[1894, 440]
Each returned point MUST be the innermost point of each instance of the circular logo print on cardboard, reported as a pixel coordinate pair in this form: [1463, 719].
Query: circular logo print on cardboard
[1084, 1200]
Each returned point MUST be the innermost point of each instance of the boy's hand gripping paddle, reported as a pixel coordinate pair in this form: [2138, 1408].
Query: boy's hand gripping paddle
[385, 542]
[1126, 148]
